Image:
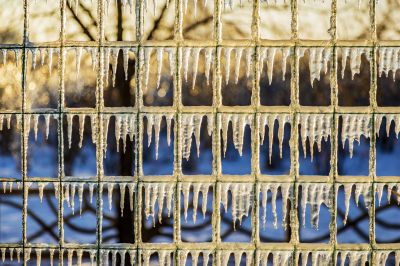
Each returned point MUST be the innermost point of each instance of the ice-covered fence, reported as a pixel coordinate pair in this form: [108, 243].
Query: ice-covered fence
[249, 192]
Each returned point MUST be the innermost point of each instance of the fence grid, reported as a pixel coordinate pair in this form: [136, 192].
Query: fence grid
[255, 249]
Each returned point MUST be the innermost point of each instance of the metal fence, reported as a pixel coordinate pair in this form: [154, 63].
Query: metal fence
[255, 250]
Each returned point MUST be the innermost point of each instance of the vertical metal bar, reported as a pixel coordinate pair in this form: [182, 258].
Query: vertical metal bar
[99, 125]
[25, 128]
[334, 129]
[61, 105]
[294, 146]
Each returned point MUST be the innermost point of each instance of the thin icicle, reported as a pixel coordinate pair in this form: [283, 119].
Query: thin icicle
[186, 56]
[227, 54]
[114, 63]
[125, 54]
[41, 186]
[122, 187]
[110, 188]
[78, 56]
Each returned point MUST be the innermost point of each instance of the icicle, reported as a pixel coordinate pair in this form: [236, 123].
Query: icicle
[41, 186]
[73, 190]
[285, 54]
[27, 254]
[171, 59]
[81, 129]
[191, 125]
[160, 53]
[79, 254]
[196, 191]
[47, 125]
[42, 56]
[347, 194]
[38, 256]
[195, 53]
[389, 60]
[50, 58]
[122, 187]
[147, 57]
[114, 63]
[238, 56]
[18, 251]
[51, 256]
[70, 119]
[318, 61]
[107, 52]
[3, 254]
[35, 124]
[93, 56]
[122, 255]
[381, 257]
[355, 59]
[125, 54]
[227, 53]
[92, 257]
[353, 127]
[80, 196]
[208, 60]
[186, 57]
[131, 188]
[4, 56]
[34, 54]
[91, 188]
[110, 188]
[241, 199]
[185, 188]
[78, 56]
[93, 126]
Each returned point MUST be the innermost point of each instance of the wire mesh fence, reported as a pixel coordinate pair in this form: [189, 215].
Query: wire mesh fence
[243, 195]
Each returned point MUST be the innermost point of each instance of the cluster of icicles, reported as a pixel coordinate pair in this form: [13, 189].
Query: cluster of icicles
[314, 127]
[319, 57]
[160, 194]
[279, 257]
[71, 253]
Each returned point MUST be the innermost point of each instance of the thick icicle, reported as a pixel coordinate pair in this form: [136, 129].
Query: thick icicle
[238, 57]
[41, 186]
[208, 57]
[38, 256]
[110, 188]
[114, 63]
[122, 187]
[314, 194]
[125, 55]
[242, 197]
[78, 56]
[186, 56]
[195, 54]
[81, 129]
[239, 122]
[353, 127]
[315, 128]
[227, 54]
[70, 119]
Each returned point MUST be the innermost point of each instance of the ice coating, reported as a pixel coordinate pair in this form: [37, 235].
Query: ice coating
[285, 191]
[315, 128]
[111, 57]
[270, 120]
[279, 257]
[314, 194]
[154, 121]
[157, 193]
[321, 258]
[268, 53]
[239, 122]
[191, 125]
[353, 127]
[242, 198]
[225, 254]
[354, 54]
[197, 188]
[381, 257]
